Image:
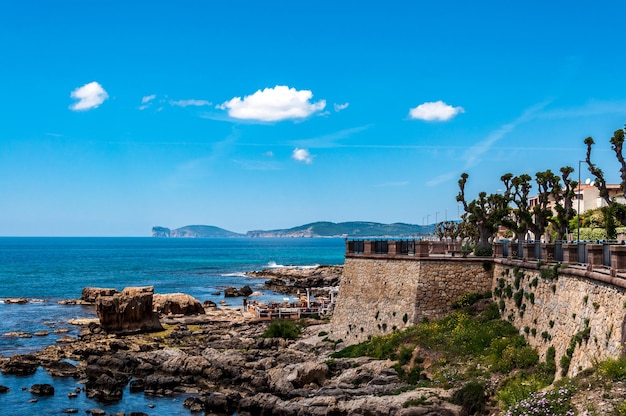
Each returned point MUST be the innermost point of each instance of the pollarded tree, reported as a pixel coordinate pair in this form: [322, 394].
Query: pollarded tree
[520, 216]
[563, 198]
[485, 213]
[615, 209]
[541, 212]
[447, 229]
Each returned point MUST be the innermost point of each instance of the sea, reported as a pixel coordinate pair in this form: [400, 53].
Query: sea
[46, 270]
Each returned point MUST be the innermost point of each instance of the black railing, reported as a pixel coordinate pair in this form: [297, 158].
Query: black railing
[381, 247]
[407, 246]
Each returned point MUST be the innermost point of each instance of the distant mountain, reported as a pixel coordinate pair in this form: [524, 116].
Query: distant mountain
[194, 231]
[346, 229]
[354, 229]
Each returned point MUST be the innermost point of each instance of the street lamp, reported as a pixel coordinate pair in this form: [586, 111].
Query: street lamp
[578, 196]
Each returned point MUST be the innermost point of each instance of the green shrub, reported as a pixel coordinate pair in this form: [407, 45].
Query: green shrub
[283, 328]
[614, 370]
[471, 397]
[483, 252]
[518, 388]
[468, 299]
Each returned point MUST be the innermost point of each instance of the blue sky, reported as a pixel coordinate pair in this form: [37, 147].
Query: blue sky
[118, 116]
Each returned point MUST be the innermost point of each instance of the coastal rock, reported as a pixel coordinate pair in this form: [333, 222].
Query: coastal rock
[176, 304]
[105, 389]
[128, 312]
[20, 365]
[90, 294]
[61, 369]
[291, 280]
[3, 389]
[42, 389]
[285, 379]
[231, 292]
[19, 301]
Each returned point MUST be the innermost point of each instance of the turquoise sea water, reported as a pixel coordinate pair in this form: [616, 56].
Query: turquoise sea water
[46, 270]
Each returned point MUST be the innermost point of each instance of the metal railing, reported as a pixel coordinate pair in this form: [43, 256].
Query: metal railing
[581, 252]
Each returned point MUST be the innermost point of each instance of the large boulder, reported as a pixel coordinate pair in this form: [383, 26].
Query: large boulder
[231, 292]
[176, 304]
[128, 312]
[90, 294]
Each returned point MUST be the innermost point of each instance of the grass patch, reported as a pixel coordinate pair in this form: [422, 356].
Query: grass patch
[283, 328]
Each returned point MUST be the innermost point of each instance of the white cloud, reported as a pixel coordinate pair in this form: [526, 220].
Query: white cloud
[89, 96]
[185, 103]
[302, 155]
[273, 104]
[434, 111]
[339, 107]
[148, 98]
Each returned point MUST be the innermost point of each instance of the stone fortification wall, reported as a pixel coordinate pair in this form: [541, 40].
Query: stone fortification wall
[580, 313]
[380, 295]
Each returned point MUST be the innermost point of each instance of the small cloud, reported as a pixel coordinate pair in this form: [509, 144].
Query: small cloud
[148, 98]
[89, 96]
[339, 107]
[302, 155]
[273, 104]
[146, 101]
[434, 111]
[186, 103]
[269, 153]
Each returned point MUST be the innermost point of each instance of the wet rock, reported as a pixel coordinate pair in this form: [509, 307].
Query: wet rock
[194, 404]
[42, 389]
[69, 411]
[17, 334]
[137, 385]
[20, 365]
[129, 312]
[231, 292]
[177, 304]
[3, 389]
[160, 384]
[104, 389]
[61, 369]
[19, 301]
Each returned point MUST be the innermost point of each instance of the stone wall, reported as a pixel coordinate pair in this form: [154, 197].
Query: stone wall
[379, 295]
[575, 307]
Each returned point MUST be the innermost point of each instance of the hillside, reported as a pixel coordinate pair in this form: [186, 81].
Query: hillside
[194, 231]
[346, 229]
[354, 229]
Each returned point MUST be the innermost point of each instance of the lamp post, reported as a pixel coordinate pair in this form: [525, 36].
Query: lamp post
[578, 196]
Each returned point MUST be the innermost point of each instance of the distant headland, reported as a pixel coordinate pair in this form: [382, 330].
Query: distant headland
[316, 229]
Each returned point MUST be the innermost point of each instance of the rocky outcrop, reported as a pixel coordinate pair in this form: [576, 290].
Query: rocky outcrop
[20, 365]
[176, 304]
[291, 280]
[90, 294]
[128, 312]
[231, 292]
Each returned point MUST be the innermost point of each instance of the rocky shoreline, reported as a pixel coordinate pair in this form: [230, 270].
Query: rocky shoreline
[296, 280]
[220, 359]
